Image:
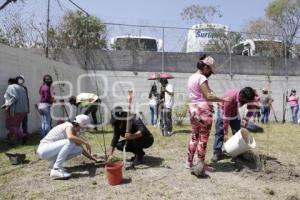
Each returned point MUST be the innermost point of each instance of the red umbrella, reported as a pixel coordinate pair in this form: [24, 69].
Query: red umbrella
[160, 75]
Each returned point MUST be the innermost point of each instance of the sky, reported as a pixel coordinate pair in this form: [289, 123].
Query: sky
[236, 13]
[156, 12]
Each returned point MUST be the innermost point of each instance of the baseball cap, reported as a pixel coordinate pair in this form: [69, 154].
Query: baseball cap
[209, 61]
[22, 76]
[83, 121]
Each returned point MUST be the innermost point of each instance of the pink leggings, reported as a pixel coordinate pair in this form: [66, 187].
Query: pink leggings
[201, 122]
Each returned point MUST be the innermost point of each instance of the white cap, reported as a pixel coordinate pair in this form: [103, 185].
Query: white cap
[83, 121]
[22, 76]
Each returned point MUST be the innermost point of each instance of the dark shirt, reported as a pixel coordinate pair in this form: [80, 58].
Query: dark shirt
[136, 125]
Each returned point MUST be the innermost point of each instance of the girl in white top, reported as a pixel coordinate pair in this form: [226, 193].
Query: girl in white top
[63, 143]
[153, 95]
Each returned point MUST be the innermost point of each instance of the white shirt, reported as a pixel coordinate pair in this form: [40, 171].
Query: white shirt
[153, 101]
[57, 133]
[169, 100]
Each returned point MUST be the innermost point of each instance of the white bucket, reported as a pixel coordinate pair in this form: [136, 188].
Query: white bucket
[239, 143]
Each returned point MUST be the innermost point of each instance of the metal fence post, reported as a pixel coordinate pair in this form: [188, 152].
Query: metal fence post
[163, 50]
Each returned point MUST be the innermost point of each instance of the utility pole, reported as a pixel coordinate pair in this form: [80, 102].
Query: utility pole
[163, 51]
[47, 32]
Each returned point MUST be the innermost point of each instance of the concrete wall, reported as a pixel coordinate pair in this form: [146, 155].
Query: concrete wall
[121, 81]
[116, 72]
[177, 62]
[19, 61]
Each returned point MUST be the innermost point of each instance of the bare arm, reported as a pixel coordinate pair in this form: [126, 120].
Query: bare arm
[71, 135]
[90, 156]
[208, 93]
[170, 93]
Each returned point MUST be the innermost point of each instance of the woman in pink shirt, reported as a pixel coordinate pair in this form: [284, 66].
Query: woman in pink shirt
[200, 109]
[293, 100]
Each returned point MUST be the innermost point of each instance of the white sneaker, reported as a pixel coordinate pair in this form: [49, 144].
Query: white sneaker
[59, 173]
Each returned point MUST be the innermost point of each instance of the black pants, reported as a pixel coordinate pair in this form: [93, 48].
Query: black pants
[93, 110]
[136, 146]
[167, 117]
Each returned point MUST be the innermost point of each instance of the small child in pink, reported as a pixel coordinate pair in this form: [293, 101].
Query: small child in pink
[293, 100]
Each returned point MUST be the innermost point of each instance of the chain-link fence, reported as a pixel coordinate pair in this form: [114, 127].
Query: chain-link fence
[235, 52]
[160, 47]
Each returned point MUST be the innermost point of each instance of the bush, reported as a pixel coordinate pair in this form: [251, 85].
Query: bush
[180, 113]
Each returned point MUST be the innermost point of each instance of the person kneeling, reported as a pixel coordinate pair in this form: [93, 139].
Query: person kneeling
[138, 137]
[63, 143]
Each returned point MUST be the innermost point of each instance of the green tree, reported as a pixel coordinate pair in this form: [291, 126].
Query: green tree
[3, 39]
[76, 27]
[261, 28]
[223, 41]
[286, 15]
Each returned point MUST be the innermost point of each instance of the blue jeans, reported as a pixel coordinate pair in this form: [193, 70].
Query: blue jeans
[59, 151]
[295, 110]
[46, 119]
[265, 112]
[153, 110]
[235, 125]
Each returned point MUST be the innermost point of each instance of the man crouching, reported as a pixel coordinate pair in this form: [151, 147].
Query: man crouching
[138, 138]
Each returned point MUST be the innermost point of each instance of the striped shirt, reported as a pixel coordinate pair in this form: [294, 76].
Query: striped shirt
[230, 109]
[57, 133]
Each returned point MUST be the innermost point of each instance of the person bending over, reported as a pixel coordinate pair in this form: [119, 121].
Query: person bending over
[89, 101]
[228, 115]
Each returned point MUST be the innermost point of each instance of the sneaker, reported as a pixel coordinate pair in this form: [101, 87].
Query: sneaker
[188, 165]
[24, 139]
[209, 168]
[138, 161]
[217, 157]
[59, 173]
[169, 133]
[132, 158]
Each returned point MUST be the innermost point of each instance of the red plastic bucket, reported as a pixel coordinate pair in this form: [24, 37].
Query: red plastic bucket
[114, 172]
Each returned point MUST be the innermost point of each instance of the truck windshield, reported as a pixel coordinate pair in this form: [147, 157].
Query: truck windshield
[136, 44]
[269, 48]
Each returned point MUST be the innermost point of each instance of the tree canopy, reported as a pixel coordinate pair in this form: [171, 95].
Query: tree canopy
[76, 29]
[286, 15]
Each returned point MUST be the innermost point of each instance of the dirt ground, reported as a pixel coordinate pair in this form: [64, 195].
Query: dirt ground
[272, 174]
